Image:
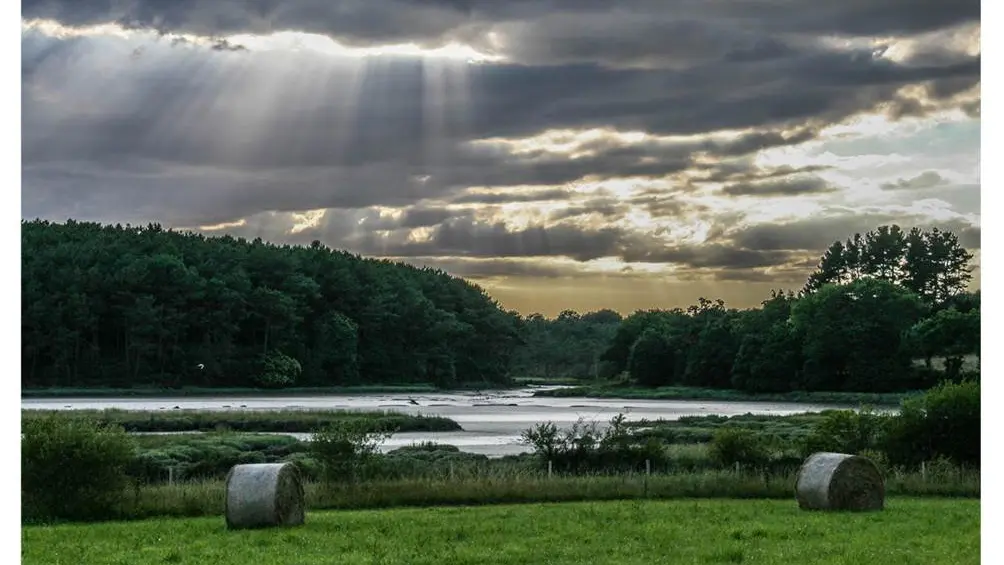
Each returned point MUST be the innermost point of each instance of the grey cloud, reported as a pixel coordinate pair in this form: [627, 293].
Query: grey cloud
[604, 207]
[709, 256]
[636, 31]
[817, 233]
[508, 197]
[927, 179]
[192, 136]
[744, 170]
[662, 205]
[466, 237]
[788, 186]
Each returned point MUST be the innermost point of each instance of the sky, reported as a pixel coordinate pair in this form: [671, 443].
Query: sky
[563, 154]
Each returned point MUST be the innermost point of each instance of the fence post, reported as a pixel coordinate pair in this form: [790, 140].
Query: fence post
[549, 468]
[923, 471]
[170, 475]
[648, 466]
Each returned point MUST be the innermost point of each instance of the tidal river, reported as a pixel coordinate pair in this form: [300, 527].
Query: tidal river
[492, 420]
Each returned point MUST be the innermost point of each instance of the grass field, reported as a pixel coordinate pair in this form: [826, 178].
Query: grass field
[936, 531]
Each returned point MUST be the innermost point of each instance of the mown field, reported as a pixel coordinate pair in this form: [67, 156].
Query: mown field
[936, 531]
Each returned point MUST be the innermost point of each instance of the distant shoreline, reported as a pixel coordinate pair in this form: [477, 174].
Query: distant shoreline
[138, 392]
[725, 395]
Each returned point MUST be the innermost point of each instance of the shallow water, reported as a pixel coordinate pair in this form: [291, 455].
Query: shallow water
[492, 420]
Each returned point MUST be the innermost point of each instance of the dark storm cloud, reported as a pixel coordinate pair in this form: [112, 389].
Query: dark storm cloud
[635, 31]
[115, 130]
[790, 186]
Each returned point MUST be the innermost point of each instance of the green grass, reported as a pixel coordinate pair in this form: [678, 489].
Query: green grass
[511, 485]
[694, 393]
[700, 429]
[936, 531]
[288, 421]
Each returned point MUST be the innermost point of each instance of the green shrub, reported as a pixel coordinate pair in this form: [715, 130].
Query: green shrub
[944, 422]
[278, 370]
[845, 431]
[73, 469]
[730, 446]
[344, 451]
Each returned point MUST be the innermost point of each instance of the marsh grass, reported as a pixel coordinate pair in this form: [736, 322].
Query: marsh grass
[918, 531]
[282, 421]
[510, 485]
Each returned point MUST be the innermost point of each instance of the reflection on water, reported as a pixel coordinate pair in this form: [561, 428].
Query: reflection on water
[492, 420]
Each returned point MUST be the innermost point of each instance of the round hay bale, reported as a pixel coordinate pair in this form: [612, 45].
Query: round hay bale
[264, 494]
[837, 481]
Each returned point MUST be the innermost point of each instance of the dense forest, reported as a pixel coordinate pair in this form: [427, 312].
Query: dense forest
[143, 306]
[115, 306]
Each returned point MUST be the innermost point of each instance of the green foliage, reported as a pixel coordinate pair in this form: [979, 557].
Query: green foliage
[949, 333]
[207, 456]
[344, 451]
[944, 422]
[72, 469]
[278, 370]
[151, 308]
[145, 307]
[852, 336]
[736, 446]
[931, 264]
[846, 431]
[582, 448]
[565, 347]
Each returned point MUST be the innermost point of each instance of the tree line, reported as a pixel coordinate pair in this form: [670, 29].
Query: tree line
[876, 312]
[144, 306]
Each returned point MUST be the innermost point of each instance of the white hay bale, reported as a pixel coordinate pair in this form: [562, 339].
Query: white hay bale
[837, 481]
[264, 494]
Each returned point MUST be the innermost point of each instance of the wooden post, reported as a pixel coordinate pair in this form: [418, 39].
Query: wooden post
[549, 469]
[170, 475]
[923, 471]
[648, 466]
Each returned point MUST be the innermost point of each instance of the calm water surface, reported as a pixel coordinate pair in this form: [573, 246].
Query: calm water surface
[492, 420]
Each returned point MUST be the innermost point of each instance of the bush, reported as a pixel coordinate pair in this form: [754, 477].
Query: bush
[344, 450]
[731, 446]
[582, 448]
[845, 431]
[278, 370]
[944, 422]
[73, 469]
